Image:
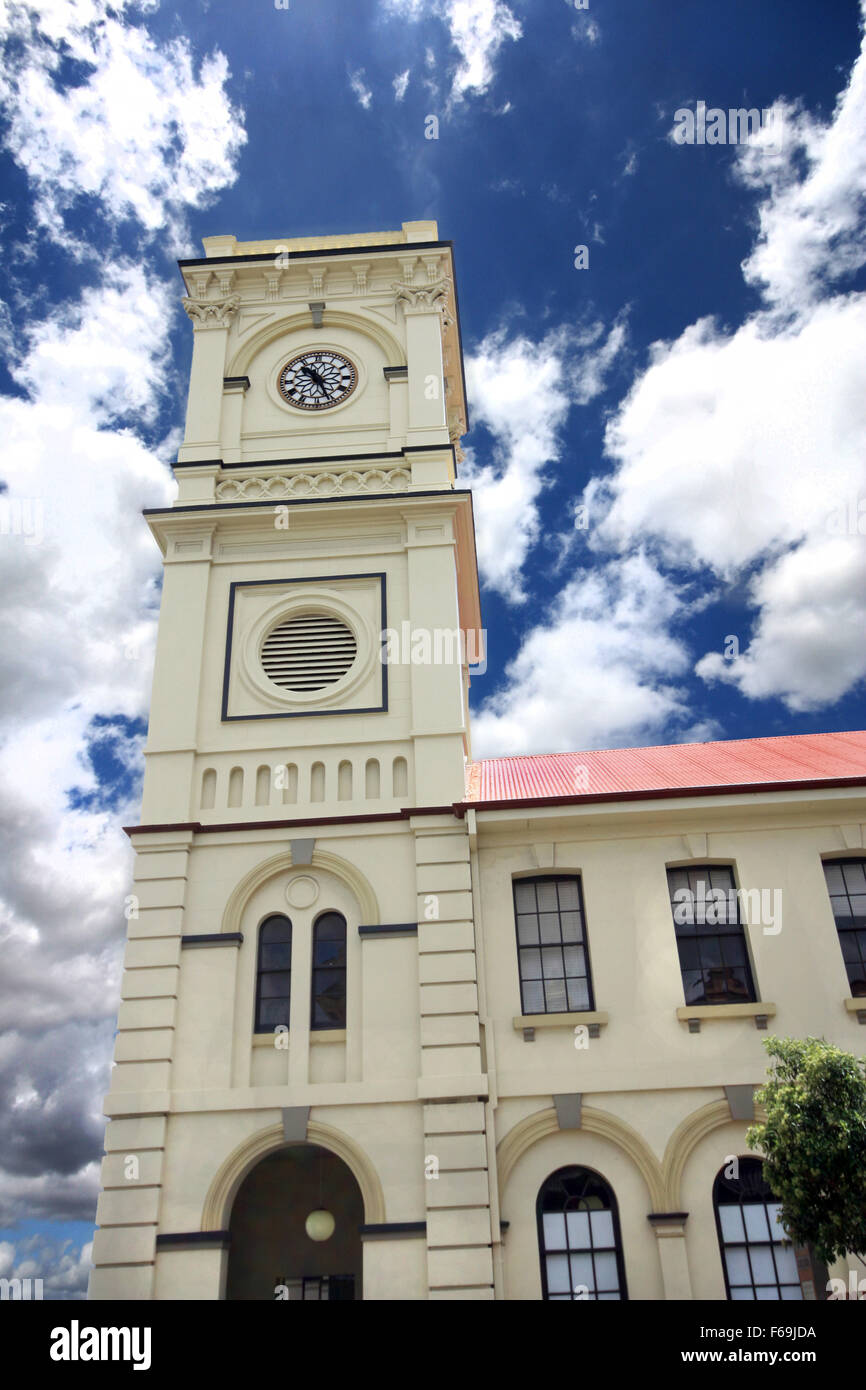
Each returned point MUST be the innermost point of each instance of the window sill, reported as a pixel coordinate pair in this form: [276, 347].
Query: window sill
[695, 1014]
[322, 1035]
[526, 1024]
[858, 1007]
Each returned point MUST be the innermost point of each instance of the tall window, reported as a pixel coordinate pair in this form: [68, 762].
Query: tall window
[274, 975]
[329, 972]
[578, 1238]
[551, 946]
[714, 959]
[757, 1265]
[846, 884]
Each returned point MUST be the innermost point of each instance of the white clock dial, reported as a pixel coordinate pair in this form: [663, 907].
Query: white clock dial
[317, 380]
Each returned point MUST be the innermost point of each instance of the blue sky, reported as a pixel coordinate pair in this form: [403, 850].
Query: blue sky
[698, 390]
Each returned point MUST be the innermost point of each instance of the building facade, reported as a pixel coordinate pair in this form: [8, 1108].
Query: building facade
[396, 1024]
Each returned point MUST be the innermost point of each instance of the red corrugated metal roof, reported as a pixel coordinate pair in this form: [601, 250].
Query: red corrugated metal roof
[618, 771]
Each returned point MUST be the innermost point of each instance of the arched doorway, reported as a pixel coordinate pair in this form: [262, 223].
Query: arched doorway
[271, 1256]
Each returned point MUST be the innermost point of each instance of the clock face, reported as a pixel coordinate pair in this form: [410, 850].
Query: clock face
[317, 380]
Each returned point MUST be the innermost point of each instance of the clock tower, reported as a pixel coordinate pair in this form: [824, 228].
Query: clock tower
[298, 1046]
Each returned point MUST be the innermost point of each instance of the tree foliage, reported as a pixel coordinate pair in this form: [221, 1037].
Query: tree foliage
[814, 1143]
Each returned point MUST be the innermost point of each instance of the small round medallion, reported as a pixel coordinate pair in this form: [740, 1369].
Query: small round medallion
[302, 891]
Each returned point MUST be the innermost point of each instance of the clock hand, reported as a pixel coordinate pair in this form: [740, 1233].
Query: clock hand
[313, 375]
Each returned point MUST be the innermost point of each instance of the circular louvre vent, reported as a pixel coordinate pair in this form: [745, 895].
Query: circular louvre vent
[308, 652]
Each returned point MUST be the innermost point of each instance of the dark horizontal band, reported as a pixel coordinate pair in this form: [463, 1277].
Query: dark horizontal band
[406, 247]
[658, 1218]
[394, 1230]
[353, 498]
[320, 458]
[217, 938]
[391, 929]
[177, 1240]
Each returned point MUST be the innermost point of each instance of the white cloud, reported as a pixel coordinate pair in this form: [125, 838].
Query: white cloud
[735, 447]
[599, 670]
[522, 392]
[143, 132]
[400, 84]
[738, 460]
[359, 87]
[478, 29]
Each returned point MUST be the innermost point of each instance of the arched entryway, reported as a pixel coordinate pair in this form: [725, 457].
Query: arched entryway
[271, 1256]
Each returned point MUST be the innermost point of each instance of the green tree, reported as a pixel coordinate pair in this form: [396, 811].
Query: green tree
[814, 1143]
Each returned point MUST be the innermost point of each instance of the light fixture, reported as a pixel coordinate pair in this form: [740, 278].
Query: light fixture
[320, 1224]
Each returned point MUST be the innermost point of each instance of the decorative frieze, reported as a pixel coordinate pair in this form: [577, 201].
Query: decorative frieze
[326, 484]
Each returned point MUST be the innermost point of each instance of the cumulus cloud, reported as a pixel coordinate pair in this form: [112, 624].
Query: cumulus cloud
[522, 392]
[600, 669]
[478, 29]
[737, 460]
[142, 131]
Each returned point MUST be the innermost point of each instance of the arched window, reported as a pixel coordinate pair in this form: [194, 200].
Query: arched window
[578, 1238]
[329, 972]
[274, 974]
[756, 1263]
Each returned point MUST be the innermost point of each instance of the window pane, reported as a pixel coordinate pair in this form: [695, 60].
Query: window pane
[792, 1293]
[755, 1218]
[606, 1274]
[557, 1274]
[527, 930]
[786, 1264]
[530, 965]
[332, 926]
[578, 1230]
[554, 992]
[277, 983]
[551, 959]
[549, 922]
[329, 952]
[274, 1011]
[569, 901]
[578, 996]
[581, 1272]
[742, 1295]
[547, 901]
[571, 926]
[738, 1267]
[524, 897]
[601, 1225]
[763, 1269]
[575, 960]
[533, 998]
[731, 1222]
[276, 956]
[858, 904]
[554, 1230]
[276, 929]
[835, 881]
[855, 876]
[777, 1230]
